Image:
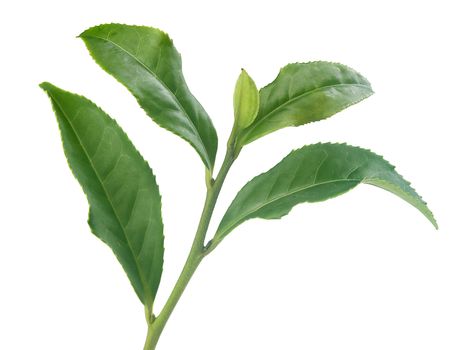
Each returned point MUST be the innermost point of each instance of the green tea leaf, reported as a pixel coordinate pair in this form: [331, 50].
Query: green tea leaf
[145, 60]
[311, 174]
[304, 93]
[125, 203]
[246, 100]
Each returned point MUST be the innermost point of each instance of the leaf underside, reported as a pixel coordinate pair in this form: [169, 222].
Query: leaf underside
[311, 174]
[125, 203]
[145, 60]
[306, 92]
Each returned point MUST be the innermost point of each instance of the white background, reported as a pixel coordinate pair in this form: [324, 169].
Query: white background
[362, 271]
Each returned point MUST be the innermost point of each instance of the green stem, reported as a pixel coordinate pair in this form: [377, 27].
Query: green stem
[149, 341]
[195, 255]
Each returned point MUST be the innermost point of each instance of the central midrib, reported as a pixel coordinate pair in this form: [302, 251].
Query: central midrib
[291, 100]
[237, 222]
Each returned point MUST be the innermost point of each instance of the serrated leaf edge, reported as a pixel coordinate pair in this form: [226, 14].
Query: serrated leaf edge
[246, 140]
[206, 159]
[44, 87]
[219, 235]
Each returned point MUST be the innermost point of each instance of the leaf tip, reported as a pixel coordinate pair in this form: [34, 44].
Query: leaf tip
[45, 85]
[433, 221]
[50, 89]
[82, 35]
[86, 33]
[89, 31]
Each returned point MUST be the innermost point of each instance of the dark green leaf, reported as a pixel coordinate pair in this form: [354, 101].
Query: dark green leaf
[125, 203]
[311, 174]
[145, 60]
[304, 93]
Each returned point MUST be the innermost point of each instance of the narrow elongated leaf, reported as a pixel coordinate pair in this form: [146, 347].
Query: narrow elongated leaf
[125, 203]
[304, 93]
[311, 174]
[145, 60]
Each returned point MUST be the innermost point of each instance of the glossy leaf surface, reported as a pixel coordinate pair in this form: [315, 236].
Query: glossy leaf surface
[125, 203]
[311, 174]
[306, 92]
[246, 100]
[145, 60]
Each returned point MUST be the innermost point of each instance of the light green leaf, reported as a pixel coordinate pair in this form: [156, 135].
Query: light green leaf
[311, 174]
[125, 203]
[304, 93]
[145, 60]
[246, 100]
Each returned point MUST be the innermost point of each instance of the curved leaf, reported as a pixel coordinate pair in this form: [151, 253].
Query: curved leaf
[311, 174]
[125, 203]
[145, 60]
[304, 93]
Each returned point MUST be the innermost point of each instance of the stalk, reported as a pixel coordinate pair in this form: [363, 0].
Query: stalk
[195, 256]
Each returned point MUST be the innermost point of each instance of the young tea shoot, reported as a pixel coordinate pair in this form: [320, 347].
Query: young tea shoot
[121, 189]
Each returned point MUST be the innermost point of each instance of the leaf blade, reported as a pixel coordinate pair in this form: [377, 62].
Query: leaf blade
[125, 203]
[306, 92]
[315, 173]
[146, 62]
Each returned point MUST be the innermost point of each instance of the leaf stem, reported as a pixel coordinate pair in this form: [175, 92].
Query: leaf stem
[195, 256]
